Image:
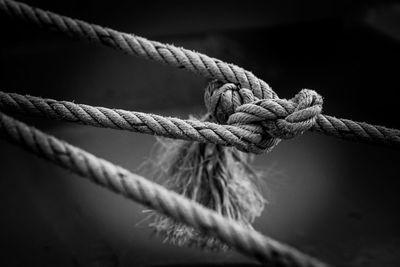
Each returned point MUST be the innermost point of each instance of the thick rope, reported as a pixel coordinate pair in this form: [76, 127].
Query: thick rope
[134, 45]
[284, 119]
[152, 195]
[277, 118]
[257, 125]
[243, 138]
[246, 137]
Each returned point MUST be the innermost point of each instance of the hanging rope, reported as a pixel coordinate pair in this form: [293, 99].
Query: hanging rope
[152, 195]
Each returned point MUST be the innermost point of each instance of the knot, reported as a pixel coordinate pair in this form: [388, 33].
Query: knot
[222, 99]
[275, 118]
[281, 118]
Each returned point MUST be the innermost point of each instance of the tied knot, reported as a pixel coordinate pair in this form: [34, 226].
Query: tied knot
[222, 100]
[275, 118]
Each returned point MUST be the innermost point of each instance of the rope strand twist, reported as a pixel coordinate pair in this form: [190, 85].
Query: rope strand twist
[152, 195]
[276, 118]
[249, 116]
[246, 139]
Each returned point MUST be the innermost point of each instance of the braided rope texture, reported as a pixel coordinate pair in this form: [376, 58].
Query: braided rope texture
[152, 195]
[246, 137]
[134, 45]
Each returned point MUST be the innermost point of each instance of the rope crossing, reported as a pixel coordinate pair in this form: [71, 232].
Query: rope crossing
[243, 133]
[207, 67]
[249, 116]
[152, 195]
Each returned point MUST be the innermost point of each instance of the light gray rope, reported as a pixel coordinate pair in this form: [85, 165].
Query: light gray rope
[134, 45]
[247, 138]
[244, 138]
[244, 133]
[284, 119]
[152, 195]
[256, 125]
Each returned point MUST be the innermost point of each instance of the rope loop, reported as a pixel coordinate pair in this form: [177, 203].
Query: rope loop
[222, 99]
[275, 118]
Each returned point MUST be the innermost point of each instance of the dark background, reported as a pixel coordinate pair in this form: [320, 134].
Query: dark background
[334, 199]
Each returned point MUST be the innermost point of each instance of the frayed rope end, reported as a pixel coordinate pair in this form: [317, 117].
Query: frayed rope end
[217, 177]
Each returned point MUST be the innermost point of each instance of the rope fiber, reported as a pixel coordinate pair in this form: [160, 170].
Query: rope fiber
[246, 137]
[134, 45]
[152, 195]
[249, 116]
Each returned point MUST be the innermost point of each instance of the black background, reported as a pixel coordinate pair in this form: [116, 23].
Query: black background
[334, 199]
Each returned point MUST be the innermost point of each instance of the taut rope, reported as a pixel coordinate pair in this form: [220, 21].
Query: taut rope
[201, 64]
[152, 195]
[243, 134]
[249, 116]
[134, 45]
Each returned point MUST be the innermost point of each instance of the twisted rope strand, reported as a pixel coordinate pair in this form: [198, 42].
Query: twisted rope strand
[359, 131]
[152, 195]
[243, 136]
[246, 137]
[273, 109]
[134, 45]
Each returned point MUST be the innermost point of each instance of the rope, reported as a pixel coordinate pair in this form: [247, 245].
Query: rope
[152, 195]
[246, 137]
[284, 119]
[277, 118]
[193, 130]
[257, 120]
[134, 45]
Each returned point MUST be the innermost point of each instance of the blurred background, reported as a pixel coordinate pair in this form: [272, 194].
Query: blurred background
[334, 199]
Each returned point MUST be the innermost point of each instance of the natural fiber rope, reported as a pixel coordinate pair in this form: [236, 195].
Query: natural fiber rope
[134, 45]
[152, 195]
[245, 137]
[284, 119]
[291, 117]
[194, 130]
